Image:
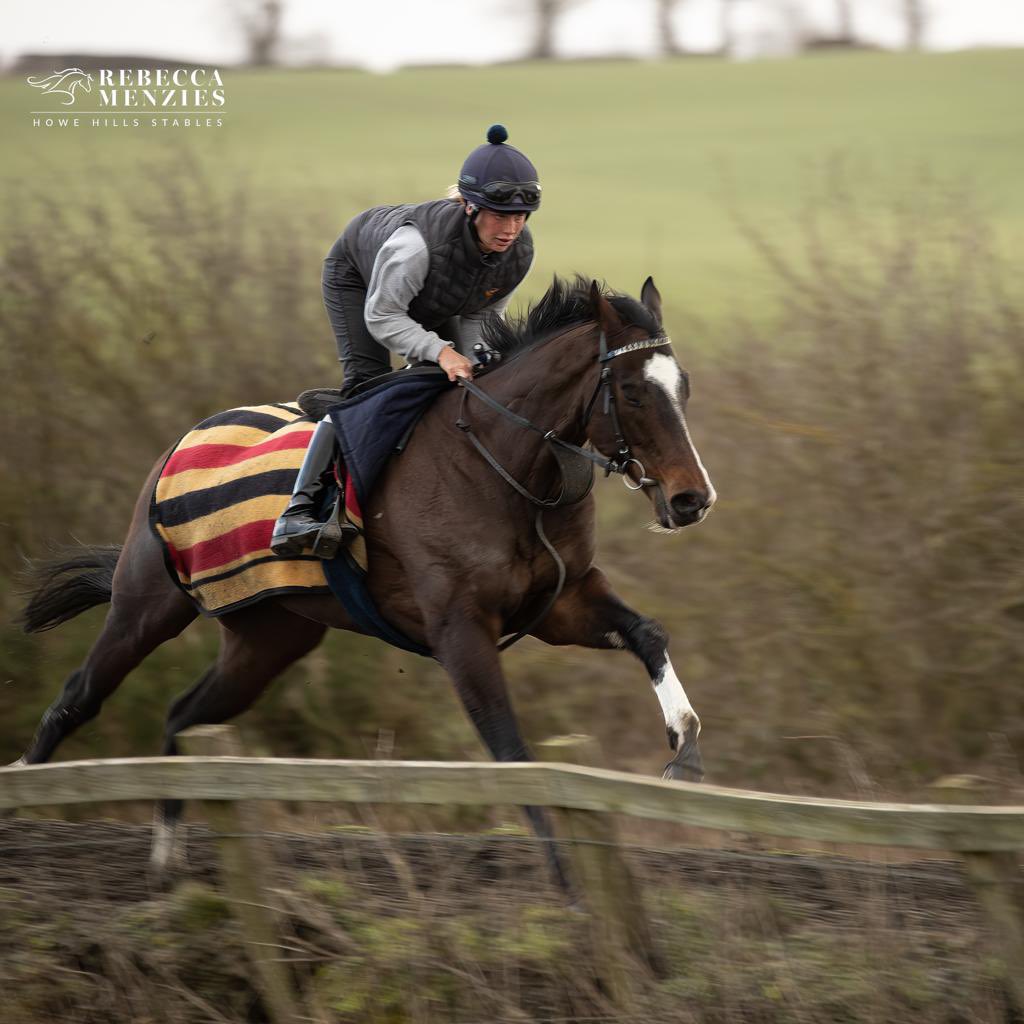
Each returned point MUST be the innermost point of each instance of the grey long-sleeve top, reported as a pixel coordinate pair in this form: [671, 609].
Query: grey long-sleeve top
[399, 272]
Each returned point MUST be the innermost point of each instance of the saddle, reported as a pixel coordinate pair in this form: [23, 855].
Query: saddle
[318, 402]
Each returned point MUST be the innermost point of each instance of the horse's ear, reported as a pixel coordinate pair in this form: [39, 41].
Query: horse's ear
[604, 311]
[651, 298]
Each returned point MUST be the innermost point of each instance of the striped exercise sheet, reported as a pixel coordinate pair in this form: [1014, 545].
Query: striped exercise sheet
[217, 499]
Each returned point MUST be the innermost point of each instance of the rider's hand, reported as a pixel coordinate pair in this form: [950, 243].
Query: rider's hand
[455, 364]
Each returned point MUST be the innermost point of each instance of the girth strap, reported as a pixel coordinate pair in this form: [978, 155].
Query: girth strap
[538, 525]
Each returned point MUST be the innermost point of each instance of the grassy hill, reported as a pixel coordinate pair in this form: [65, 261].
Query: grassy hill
[643, 164]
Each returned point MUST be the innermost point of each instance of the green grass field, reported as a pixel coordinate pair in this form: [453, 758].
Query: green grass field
[643, 163]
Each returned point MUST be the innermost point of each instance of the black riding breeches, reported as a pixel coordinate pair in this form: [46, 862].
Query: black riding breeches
[361, 355]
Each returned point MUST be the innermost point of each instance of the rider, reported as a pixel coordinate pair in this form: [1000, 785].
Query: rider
[418, 280]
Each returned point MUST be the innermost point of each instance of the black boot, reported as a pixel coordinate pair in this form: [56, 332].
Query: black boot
[298, 529]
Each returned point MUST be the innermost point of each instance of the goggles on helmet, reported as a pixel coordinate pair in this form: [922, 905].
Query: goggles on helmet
[527, 192]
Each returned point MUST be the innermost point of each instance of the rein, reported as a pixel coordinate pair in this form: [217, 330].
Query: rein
[575, 464]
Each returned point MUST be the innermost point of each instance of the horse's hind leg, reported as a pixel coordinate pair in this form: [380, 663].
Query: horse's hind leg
[257, 644]
[146, 609]
[590, 614]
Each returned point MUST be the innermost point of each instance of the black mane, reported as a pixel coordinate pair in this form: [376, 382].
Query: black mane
[564, 305]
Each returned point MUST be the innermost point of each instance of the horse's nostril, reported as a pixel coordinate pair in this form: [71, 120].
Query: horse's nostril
[685, 503]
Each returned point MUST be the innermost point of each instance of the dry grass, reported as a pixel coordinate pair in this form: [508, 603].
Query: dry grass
[456, 928]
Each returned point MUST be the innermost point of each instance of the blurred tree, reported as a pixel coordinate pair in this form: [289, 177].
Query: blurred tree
[545, 13]
[667, 39]
[797, 31]
[915, 18]
[844, 20]
[260, 22]
[725, 22]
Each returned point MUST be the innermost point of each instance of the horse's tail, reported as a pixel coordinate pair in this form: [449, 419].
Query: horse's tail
[72, 581]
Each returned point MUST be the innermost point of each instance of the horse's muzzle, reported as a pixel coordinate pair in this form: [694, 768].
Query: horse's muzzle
[690, 506]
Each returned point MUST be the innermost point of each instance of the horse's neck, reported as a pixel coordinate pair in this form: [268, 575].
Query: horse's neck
[550, 387]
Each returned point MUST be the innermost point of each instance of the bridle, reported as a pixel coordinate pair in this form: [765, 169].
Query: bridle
[575, 464]
[625, 457]
[577, 474]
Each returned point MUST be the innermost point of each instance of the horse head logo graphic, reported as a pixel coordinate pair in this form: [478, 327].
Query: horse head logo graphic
[65, 82]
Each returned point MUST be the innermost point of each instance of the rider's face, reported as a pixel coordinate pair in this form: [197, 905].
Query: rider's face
[497, 231]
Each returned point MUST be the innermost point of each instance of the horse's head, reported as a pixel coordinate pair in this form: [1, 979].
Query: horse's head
[64, 82]
[650, 391]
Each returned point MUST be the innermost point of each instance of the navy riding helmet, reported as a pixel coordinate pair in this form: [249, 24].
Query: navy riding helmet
[498, 177]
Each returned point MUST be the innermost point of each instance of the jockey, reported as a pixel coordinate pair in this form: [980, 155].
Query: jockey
[418, 280]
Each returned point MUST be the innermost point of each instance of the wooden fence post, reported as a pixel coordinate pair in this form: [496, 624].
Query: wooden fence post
[614, 898]
[995, 879]
[246, 871]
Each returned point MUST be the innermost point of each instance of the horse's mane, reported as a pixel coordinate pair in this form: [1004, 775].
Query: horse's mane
[565, 304]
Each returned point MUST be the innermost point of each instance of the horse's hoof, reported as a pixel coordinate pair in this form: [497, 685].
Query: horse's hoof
[687, 768]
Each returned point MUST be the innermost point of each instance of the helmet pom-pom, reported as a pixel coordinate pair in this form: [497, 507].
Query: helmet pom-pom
[497, 134]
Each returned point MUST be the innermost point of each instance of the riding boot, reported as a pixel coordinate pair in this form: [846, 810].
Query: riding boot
[298, 529]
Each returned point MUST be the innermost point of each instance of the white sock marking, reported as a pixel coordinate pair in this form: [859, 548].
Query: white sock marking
[675, 705]
[168, 846]
[663, 370]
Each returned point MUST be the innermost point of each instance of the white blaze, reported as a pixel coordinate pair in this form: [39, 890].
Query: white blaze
[663, 371]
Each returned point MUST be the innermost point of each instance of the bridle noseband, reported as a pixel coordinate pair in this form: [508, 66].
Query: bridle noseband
[575, 464]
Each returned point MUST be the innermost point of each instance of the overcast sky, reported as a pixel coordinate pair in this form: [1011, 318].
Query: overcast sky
[383, 34]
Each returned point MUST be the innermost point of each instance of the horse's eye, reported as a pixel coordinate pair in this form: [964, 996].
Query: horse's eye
[630, 394]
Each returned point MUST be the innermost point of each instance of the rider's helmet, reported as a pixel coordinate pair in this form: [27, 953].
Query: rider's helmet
[499, 177]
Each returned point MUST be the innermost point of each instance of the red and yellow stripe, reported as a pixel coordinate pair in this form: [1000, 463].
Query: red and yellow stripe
[221, 491]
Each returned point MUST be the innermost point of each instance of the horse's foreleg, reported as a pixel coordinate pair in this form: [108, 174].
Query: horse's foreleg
[467, 648]
[590, 614]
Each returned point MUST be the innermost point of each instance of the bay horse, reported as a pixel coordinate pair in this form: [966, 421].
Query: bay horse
[456, 562]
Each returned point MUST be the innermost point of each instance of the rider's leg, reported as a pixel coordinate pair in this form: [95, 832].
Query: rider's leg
[344, 290]
[298, 527]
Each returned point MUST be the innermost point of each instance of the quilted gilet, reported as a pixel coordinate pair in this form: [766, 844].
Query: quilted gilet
[461, 278]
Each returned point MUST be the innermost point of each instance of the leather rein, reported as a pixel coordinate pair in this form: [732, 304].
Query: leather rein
[575, 464]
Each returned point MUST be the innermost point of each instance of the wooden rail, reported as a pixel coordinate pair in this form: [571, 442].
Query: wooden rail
[987, 838]
[922, 826]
